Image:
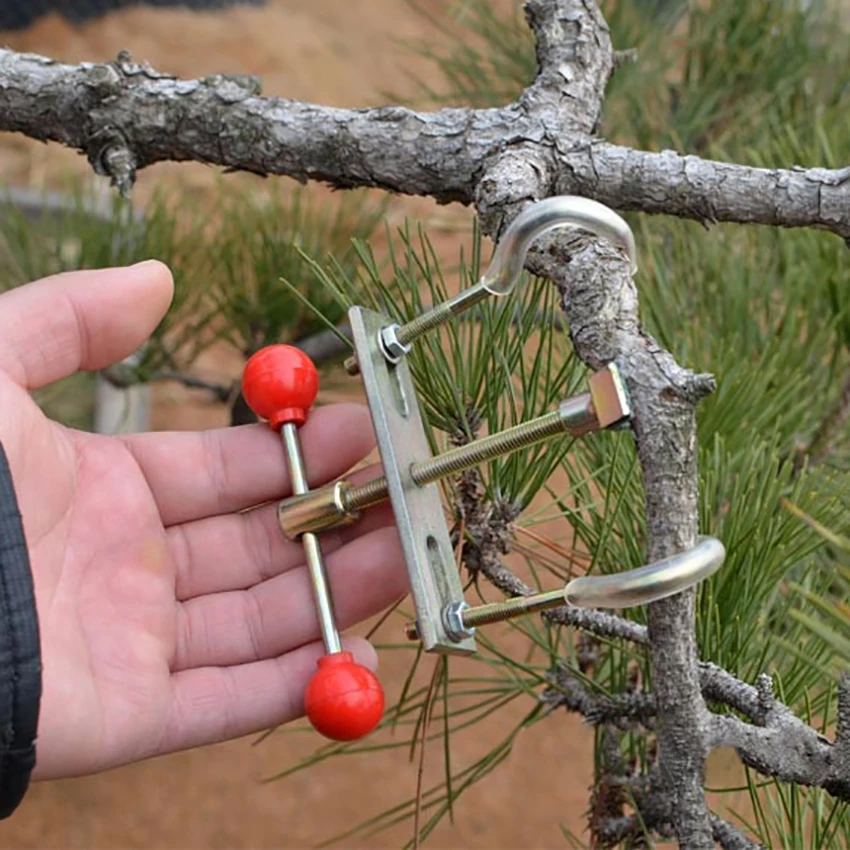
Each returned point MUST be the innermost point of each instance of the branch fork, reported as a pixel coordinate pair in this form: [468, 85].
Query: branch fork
[125, 116]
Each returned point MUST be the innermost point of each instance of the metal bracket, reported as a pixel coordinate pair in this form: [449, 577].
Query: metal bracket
[420, 518]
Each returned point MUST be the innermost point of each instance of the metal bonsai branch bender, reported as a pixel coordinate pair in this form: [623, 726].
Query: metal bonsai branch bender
[280, 384]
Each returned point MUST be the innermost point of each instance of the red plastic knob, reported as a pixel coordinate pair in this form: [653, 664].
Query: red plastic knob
[344, 699]
[280, 384]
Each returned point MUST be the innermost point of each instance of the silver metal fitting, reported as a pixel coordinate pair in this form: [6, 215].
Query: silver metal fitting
[394, 350]
[609, 395]
[453, 621]
[318, 510]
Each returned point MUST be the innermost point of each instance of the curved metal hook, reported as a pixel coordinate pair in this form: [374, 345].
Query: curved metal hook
[650, 583]
[508, 262]
[637, 587]
[562, 211]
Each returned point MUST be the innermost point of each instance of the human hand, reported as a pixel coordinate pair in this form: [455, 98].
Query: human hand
[168, 617]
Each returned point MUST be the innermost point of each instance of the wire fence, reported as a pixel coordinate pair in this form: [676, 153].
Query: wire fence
[19, 14]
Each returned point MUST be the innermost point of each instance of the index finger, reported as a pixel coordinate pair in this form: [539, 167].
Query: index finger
[193, 475]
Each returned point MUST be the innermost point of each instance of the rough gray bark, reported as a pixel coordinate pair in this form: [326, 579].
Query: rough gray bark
[124, 116]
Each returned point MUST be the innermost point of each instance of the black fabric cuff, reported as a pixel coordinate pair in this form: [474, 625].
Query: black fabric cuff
[20, 652]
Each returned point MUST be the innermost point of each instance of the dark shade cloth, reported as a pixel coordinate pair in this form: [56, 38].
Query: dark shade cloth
[20, 652]
[19, 14]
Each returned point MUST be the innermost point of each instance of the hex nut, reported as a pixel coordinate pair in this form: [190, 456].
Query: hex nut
[453, 622]
[393, 349]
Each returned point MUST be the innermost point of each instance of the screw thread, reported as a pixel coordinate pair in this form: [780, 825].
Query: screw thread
[497, 612]
[440, 314]
[431, 319]
[427, 471]
[366, 495]
[487, 448]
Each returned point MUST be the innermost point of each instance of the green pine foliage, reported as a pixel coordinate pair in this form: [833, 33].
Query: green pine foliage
[263, 238]
[227, 268]
[767, 311]
[82, 234]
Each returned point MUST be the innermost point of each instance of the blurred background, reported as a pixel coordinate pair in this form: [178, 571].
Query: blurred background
[342, 54]
[762, 83]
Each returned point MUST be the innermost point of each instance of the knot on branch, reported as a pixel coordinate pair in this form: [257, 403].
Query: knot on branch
[111, 157]
[766, 698]
[104, 80]
[234, 88]
[625, 57]
[128, 68]
[626, 712]
[694, 388]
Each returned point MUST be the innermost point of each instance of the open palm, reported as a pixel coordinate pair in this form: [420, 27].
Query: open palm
[170, 616]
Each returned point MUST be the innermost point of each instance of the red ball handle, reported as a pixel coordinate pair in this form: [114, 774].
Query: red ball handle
[344, 700]
[280, 384]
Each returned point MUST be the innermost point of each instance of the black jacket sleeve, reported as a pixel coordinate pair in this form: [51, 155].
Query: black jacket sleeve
[20, 652]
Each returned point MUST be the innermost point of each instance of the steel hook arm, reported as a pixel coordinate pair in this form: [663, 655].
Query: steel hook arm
[508, 261]
[532, 223]
[655, 581]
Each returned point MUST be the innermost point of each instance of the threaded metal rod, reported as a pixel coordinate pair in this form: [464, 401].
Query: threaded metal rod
[487, 448]
[366, 495]
[496, 612]
[440, 314]
[431, 319]
[574, 415]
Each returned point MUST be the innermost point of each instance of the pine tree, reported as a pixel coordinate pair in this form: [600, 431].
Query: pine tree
[747, 441]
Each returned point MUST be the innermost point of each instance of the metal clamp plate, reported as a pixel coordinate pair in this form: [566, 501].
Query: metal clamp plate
[390, 392]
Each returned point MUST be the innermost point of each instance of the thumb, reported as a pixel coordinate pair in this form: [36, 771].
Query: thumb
[80, 321]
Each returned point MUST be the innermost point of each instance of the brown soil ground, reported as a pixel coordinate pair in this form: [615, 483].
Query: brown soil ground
[339, 54]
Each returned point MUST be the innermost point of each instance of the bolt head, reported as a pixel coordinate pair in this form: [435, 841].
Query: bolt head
[609, 396]
[393, 350]
[453, 622]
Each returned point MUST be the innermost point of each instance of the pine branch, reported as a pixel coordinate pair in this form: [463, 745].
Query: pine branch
[729, 838]
[123, 376]
[706, 190]
[600, 301]
[326, 346]
[623, 711]
[221, 392]
[124, 116]
[778, 743]
[614, 831]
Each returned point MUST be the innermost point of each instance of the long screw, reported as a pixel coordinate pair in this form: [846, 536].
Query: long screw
[496, 612]
[331, 507]
[433, 318]
[575, 415]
